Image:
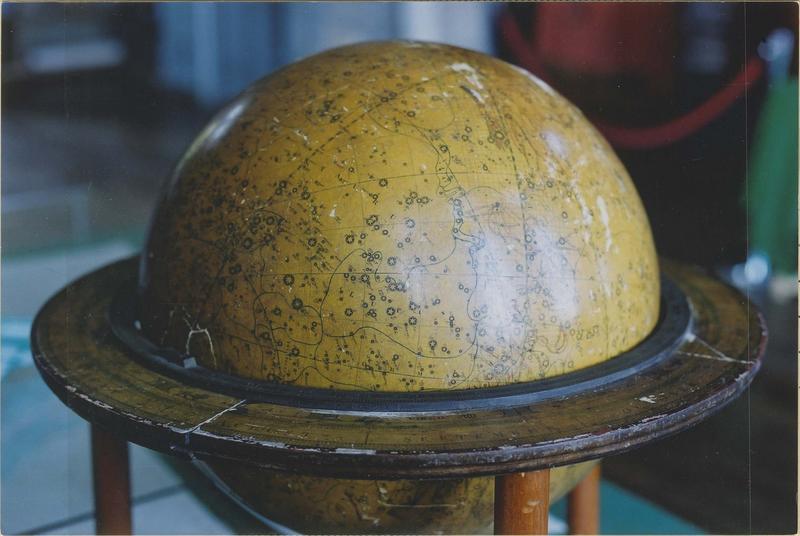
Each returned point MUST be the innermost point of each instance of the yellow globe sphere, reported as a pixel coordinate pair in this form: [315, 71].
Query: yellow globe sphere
[400, 217]
[397, 217]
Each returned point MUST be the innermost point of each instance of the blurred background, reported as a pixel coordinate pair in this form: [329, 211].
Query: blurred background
[699, 100]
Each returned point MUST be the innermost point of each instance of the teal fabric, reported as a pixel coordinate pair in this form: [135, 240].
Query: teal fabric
[622, 512]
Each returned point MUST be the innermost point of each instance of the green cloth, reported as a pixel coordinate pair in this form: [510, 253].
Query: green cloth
[773, 176]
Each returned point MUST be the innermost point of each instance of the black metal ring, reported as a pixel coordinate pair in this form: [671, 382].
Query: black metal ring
[674, 324]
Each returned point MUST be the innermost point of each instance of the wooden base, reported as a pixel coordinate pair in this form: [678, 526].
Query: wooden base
[112, 488]
[583, 505]
[521, 502]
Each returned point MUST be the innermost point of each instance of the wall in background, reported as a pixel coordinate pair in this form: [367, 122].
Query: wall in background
[212, 51]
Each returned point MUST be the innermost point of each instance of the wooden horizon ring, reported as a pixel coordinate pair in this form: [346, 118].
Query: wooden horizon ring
[85, 364]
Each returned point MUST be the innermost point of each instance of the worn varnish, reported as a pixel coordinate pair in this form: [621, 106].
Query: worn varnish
[401, 219]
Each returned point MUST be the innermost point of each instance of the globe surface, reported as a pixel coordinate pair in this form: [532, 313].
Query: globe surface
[399, 217]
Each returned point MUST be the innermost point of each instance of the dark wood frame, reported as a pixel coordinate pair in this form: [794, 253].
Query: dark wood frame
[103, 382]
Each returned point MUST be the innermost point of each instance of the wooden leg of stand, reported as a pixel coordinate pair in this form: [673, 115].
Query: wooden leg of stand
[521, 502]
[112, 488]
[583, 505]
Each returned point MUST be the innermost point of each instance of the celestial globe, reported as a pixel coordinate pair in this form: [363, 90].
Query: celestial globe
[396, 217]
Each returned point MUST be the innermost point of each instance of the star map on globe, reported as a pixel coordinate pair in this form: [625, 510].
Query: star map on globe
[400, 217]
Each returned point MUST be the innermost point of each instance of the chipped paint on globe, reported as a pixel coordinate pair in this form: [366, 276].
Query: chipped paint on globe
[399, 217]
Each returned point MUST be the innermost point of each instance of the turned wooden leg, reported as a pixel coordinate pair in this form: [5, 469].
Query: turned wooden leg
[112, 488]
[583, 505]
[521, 502]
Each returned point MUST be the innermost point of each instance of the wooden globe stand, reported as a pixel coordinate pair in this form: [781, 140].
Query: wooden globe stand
[525, 326]
[704, 353]
[521, 499]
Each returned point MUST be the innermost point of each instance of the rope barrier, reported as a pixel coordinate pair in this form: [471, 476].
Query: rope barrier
[666, 133]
